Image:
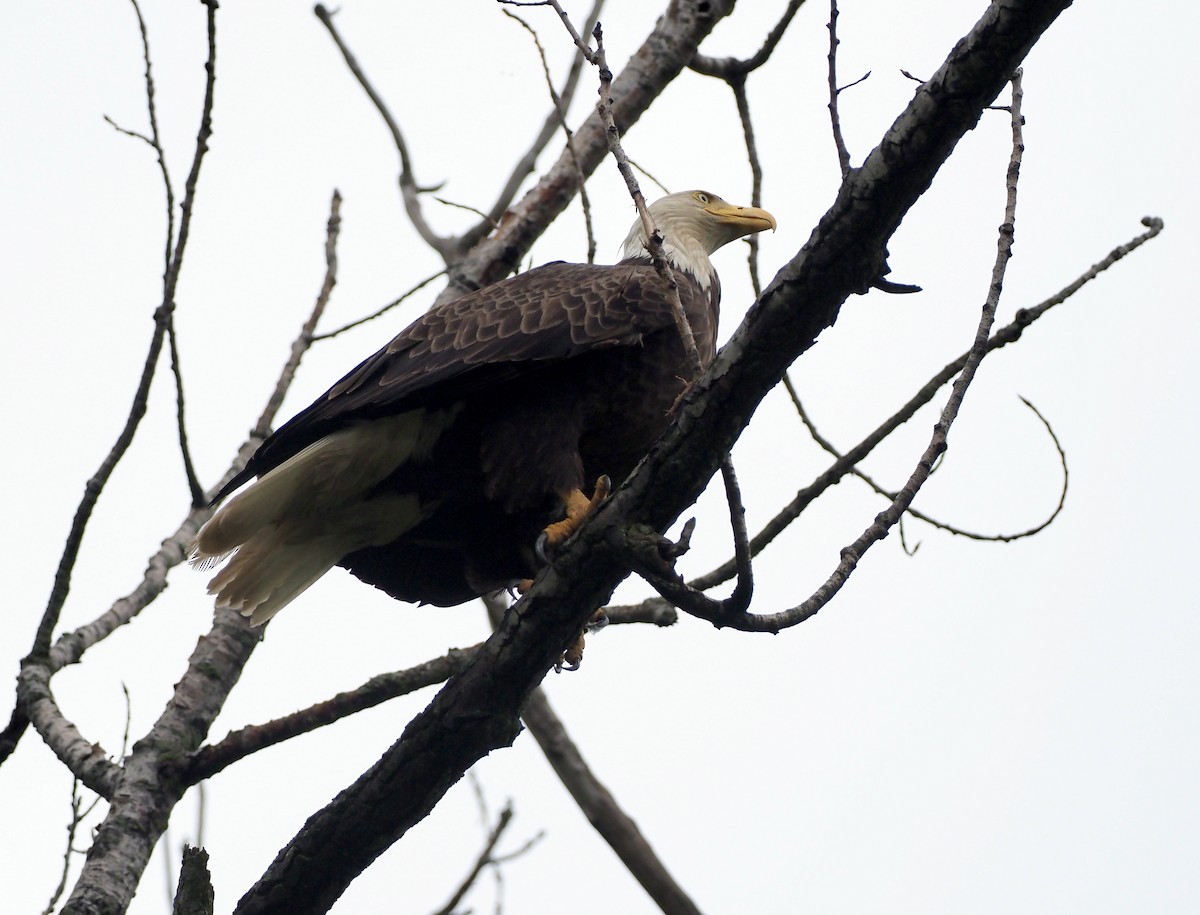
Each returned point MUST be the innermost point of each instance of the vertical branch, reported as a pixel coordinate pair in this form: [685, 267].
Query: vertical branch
[839, 141]
[738, 85]
[654, 238]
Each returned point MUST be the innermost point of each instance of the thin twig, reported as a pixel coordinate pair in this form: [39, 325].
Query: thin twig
[839, 141]
[654, 238]
[447, 248]
[483, 860]
[525, 166]
[560, 110]
[155, 142]
[738, 85]
[381, 311]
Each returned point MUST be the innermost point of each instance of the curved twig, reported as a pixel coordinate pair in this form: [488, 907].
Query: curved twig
[916, 513]
[727, 67]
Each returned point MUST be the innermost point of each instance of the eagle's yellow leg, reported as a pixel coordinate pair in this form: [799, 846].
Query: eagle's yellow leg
[578, 508]
[573, 656]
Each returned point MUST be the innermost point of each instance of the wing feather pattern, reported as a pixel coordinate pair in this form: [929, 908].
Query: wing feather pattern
[554, 312]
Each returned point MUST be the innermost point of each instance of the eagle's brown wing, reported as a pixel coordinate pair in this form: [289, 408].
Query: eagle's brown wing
[494, 334]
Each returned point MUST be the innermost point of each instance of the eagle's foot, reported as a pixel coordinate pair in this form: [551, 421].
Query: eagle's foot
[578, 508]
[572, 658]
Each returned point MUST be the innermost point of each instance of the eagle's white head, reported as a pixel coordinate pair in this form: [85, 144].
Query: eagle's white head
[694, 224]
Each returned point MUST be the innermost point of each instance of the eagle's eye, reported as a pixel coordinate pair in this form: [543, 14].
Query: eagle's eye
[703, 198]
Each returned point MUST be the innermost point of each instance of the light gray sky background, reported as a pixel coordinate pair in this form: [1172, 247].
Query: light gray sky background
[983, 728]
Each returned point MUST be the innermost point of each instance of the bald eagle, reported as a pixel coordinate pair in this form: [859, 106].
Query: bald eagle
[431, 469]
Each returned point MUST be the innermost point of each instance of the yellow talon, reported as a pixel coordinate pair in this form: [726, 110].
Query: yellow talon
[578, 508]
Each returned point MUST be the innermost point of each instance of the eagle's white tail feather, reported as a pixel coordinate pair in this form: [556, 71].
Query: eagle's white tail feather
[280, 561]
[262, 579]
[293, 525]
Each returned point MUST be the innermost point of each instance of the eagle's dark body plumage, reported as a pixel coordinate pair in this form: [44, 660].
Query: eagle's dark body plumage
[431, 468]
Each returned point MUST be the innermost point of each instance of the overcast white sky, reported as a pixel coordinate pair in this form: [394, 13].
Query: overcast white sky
[982, 728]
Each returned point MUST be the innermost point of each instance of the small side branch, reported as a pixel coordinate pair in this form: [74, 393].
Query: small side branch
[653, 558]
[208, 761]
[839, 141]
[524, 168]
[727, 67]
[654, 238]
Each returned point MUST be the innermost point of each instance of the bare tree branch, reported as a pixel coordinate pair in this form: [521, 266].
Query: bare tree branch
[162, 319]
[884, 521]
[602, 810]
[1010, 333]
[839, 141]
[484, 858]
[381, 311]
[560, 110]
[660, 58]
[210, 760]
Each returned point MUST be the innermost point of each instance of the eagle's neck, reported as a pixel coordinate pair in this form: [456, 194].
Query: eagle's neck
[681, 251]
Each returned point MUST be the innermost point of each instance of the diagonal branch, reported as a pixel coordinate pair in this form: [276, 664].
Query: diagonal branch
[660, 58]
[162, 322]
[559, 113]
[615, 826]
[210, 760]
